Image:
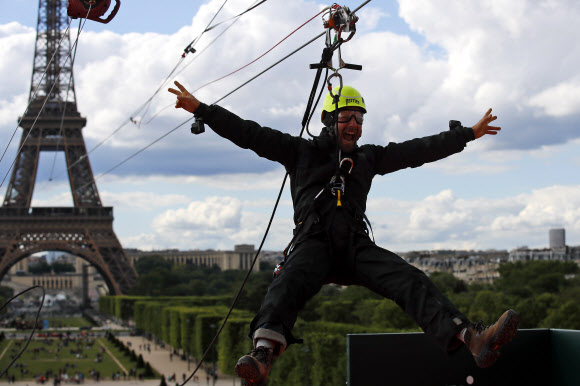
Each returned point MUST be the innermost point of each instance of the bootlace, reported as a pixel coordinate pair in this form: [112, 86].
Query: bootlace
[479, 326]
[262, 354]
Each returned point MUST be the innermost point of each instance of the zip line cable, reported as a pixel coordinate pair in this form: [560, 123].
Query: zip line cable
[259, 57]
[238, 68]
[65, 103]
[231, 92]
[36, 90]
[225, 96]
[44, 103]
[33, 328]
[140, 151]
[209, 28]
[148, 103]
[189, 48]
[237, 18]
[162, 84]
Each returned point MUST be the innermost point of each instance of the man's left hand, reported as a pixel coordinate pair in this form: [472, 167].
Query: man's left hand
[482, 127]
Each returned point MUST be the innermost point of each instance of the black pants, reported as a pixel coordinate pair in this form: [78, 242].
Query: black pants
[352, 258]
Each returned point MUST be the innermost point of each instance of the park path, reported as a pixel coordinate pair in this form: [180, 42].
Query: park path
[169, 365]
[112, 356]
[6, 349]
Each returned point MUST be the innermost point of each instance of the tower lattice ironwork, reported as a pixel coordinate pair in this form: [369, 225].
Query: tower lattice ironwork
[53, 123]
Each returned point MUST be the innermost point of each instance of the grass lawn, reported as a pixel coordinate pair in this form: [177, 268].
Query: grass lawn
[124, 359]
[75, 355]
[68, 322]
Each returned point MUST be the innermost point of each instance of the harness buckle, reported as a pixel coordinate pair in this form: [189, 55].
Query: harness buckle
[337, 185]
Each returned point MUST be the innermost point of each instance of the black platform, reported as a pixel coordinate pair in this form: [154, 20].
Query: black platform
[535, 357]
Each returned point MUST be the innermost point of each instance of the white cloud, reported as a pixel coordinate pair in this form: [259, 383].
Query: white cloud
[519, 57]
[444, 220]
[560, 100]
[142, 200]
[219, 213]
[215, 223]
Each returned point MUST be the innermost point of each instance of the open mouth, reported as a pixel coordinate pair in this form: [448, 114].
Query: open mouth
[349, 137]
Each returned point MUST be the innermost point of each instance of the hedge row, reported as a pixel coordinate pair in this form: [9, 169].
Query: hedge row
[186, 323]
[123, 307]
[321, 360]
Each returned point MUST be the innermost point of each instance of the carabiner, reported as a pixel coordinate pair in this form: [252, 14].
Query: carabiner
[330, 84]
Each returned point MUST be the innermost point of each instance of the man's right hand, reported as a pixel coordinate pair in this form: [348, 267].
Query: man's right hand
[185, 100]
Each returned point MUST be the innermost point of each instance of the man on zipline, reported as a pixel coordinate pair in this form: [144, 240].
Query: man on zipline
[330, 178]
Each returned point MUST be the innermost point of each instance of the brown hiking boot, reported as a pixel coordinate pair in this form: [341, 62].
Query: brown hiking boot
[255, 366]
[484, 343]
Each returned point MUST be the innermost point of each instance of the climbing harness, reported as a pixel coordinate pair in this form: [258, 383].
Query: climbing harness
[92, 9]
[340, 19]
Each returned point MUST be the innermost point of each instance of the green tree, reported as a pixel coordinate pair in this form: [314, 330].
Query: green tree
[39, 268]
[389, 315]
[148, 264]
[311, 311]
[566, 316]
[448, 283]
[488, 306]
[357, 293]
[254, 291]
[534, 310]
[6, 292]
[534, 277]
[62, 267]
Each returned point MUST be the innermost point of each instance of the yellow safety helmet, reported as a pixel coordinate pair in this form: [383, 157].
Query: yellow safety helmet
[349, 97]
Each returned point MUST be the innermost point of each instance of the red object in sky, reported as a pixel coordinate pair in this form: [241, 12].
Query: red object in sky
[80, 9]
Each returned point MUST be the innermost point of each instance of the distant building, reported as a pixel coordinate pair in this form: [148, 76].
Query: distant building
[469, 266]
[20, 276]
[558, 250]
[238, 259]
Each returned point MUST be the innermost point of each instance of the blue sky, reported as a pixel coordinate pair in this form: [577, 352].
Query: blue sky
[424, 63]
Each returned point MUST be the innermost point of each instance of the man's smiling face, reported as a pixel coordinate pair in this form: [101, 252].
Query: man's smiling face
[349, 127]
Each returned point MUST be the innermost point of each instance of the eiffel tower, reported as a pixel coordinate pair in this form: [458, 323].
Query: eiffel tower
[52, 123]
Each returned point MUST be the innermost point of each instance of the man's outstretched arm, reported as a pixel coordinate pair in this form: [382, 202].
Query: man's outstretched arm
[418, 151]
[264, 141]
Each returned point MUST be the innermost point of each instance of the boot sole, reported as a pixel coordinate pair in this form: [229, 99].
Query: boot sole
[489, 353]
[249, 372]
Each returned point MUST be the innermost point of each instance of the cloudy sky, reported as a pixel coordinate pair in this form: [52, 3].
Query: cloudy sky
[424, 62]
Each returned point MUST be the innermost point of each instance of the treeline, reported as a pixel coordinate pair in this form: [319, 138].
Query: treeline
[158, 277]
[5, 294]
[54, 267]
[545, 293]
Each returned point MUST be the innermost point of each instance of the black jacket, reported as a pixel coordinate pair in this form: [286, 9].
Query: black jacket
[312, 163]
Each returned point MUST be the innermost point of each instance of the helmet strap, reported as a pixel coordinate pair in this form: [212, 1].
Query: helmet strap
[328, 119]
